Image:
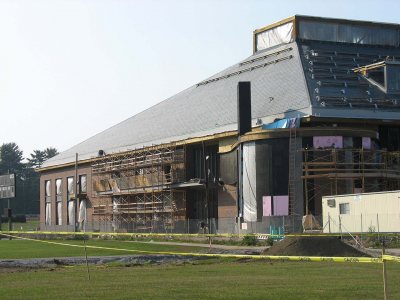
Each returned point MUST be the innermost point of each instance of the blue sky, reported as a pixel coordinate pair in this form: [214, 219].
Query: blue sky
[70, 69]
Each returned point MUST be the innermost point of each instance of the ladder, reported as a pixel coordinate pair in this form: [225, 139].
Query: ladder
[292, 169]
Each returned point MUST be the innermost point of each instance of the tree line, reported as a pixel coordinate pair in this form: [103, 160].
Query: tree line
[12, 160]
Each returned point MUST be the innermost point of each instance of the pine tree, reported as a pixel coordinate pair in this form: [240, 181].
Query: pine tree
[11, 159]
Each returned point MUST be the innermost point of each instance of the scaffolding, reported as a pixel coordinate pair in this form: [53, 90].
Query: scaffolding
[347, 171]
[134, 191]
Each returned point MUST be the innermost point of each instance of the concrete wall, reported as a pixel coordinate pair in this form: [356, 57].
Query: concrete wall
[379, 212]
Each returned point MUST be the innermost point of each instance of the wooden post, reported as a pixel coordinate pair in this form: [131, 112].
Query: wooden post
[76, 193]
[334, 158]
[9, 215]
[377, 222]
[84, 243]
[384, 273]
[205, 169]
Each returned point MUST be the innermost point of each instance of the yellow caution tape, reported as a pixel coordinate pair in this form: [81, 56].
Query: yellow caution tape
[264, 257]
[391, 258]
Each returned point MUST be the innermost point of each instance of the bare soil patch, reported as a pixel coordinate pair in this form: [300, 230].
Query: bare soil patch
[313, 246]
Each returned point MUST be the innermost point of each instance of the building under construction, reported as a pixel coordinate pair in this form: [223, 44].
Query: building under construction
[314, 111]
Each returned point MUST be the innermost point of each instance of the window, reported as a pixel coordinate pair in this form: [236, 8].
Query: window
[81, 205]
[70, 201]
[47, 191]
[58, 202]
[344, 208]
[70, 186]
[392, 77]
[385, 75]
[331, 202]
[348, 33]
[82, 213]
[82, 184]
[377, 75]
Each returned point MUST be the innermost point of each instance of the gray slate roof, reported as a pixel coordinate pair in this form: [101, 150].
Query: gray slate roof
[336, 91]
[292, 80]
[278, 90]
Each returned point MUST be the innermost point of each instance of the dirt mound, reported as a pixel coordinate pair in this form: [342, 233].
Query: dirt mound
[313, 246]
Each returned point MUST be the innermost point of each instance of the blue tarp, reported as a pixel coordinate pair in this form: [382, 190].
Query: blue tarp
[284, 123]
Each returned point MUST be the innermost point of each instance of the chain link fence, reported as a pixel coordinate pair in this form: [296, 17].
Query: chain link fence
[268, 225]
[280, 225]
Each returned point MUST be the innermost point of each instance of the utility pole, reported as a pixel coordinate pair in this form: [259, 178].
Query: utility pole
[9, 213]
[384, 273]
[205, 158]
[76, 193]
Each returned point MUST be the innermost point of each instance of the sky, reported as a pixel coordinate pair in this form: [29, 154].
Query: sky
[72, 68]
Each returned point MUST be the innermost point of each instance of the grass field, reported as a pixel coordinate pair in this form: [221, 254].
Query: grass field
[31, 249]
[205, 280]
[29, 225]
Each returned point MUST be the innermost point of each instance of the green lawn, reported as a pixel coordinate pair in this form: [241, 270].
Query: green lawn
[205, 280]
[30, 225]
[33, 249]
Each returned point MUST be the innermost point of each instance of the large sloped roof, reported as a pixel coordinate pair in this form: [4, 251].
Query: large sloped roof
[336, 90]
[278, 89]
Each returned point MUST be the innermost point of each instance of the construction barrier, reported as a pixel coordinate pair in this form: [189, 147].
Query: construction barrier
[139, 234]
[391, 258]
[241, 256]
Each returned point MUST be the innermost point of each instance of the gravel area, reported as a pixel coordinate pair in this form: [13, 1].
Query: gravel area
[96, 260]
[130, 259]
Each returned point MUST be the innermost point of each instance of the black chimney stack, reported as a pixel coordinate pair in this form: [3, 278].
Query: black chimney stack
[244, 107]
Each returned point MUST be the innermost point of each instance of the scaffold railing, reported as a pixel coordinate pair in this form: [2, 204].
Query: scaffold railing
[133, 189]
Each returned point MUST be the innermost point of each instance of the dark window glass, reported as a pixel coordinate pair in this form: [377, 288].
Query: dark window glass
[344, 208]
